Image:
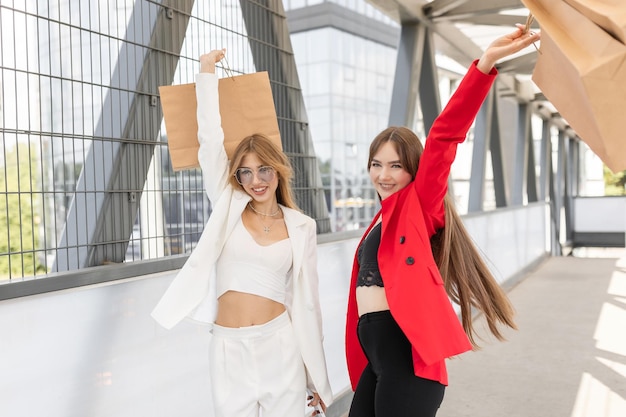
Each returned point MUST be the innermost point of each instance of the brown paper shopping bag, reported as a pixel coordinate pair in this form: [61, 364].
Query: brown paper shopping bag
[610, 15]
[179, 112]
[582, 71]
[246, 107]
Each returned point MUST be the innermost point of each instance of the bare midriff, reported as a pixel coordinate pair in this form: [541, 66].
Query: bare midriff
[238, 309]
[371, 299]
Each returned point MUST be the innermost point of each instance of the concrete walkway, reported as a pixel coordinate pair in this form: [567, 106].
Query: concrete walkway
[568, 358]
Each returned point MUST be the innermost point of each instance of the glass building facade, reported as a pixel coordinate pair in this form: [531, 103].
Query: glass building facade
[347, 85]
[347, 80]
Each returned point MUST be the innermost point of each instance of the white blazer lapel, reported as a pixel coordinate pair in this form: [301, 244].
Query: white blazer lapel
[297, 235]
[237, 206]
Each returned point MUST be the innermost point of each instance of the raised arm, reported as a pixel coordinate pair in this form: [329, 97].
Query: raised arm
[452, 125]
[505, 46]
[211, 155]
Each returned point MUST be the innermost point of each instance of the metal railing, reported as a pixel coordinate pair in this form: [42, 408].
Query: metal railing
[85, 176]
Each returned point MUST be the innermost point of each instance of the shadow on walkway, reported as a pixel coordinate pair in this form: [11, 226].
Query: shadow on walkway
[568, 358]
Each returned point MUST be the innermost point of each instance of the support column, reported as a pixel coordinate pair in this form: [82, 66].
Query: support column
[482, 131]
[112, 180]
[497, 160]
[270, 45]
[415, 78]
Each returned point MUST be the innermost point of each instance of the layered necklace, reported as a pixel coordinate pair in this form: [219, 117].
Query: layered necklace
[262, 216]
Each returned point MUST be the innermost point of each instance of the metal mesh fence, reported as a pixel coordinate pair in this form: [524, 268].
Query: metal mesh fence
[85, 176]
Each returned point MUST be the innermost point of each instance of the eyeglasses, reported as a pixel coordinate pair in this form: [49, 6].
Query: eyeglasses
[245, 176]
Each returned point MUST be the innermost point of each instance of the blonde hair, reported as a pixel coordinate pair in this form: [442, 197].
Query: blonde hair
[270, 155]
[468, 281]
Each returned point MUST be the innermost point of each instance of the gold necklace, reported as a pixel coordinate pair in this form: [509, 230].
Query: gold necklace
[263, 214]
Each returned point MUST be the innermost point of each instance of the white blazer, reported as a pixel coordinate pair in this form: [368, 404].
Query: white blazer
[192, 293]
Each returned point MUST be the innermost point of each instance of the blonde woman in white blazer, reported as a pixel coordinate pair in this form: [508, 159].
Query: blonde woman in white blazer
[253, 275]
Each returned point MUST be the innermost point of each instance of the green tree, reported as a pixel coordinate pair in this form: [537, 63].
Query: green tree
[614, 183]
[20, 212]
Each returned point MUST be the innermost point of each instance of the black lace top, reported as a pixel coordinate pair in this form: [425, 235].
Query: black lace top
[367, 254]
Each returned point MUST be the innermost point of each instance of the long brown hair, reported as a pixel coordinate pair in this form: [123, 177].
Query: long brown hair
[270, 155]
[468, 281]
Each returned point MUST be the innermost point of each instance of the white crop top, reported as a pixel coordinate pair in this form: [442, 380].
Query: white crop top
[245, 266]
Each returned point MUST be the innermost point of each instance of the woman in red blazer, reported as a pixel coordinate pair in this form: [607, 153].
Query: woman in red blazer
[414, 257]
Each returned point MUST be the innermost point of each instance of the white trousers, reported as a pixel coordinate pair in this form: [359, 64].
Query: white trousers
[257, 370]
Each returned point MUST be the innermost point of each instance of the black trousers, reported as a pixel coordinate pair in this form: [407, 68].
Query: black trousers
[388, 387]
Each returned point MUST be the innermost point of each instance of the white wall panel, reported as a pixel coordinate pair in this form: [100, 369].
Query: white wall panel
[95, 351]
[600, 214]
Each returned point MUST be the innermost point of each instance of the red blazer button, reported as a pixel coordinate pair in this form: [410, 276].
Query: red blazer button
[402, 239]
[410, 260]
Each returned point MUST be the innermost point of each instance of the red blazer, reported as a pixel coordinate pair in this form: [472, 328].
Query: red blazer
[413, 285]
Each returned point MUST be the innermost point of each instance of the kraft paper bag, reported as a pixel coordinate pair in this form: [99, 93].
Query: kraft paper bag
[610, 15]
[246, 108]
[582, 71]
